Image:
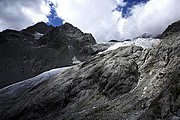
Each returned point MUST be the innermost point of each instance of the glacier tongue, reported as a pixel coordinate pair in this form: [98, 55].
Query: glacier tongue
[15, 89]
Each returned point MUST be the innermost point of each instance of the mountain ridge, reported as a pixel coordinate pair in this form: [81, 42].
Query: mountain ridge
[127, 83]
[23, 54]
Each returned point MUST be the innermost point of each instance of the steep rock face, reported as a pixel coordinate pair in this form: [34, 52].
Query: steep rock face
[128, 83]
[166, 104]
[23, 55]
[73, 37]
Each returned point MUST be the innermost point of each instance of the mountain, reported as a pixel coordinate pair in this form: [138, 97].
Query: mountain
[71, 36]
[128, 83]
[173, 28]
[38, 48]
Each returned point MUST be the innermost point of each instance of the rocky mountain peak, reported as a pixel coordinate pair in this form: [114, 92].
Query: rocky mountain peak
[171, 29]
[70, 30]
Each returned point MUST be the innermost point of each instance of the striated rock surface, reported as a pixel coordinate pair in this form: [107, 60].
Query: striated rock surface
[129, 83]
[87, 85]
[26, 53]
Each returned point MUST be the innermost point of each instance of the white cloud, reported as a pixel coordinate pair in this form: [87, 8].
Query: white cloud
[18, 14]
[152, 17]
[96, 17]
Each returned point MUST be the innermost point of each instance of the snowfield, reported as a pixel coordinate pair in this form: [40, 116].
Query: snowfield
[75, 60]
[38, 35]
[145, 43]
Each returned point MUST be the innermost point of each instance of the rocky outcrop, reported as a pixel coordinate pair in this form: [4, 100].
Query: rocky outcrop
[26, 53]
[127, 83]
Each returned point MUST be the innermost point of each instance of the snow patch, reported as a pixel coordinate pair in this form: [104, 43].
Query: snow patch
[75, 60]
[70, 47]
[144, 91]
[145, 88]
[38, 35]
[16, 89]
[145, 43]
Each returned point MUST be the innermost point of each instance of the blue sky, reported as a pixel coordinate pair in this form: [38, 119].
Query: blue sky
[130, 4]
[53, 18]
[57, 21]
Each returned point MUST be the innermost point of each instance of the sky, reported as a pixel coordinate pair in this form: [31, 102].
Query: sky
[105, 19]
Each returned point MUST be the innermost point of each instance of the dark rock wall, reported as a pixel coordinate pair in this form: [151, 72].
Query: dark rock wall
[22, 56]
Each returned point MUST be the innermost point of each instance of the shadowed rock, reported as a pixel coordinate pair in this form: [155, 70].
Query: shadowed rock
[24, 55]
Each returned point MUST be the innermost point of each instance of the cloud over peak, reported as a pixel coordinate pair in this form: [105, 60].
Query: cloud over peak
[105, 19]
